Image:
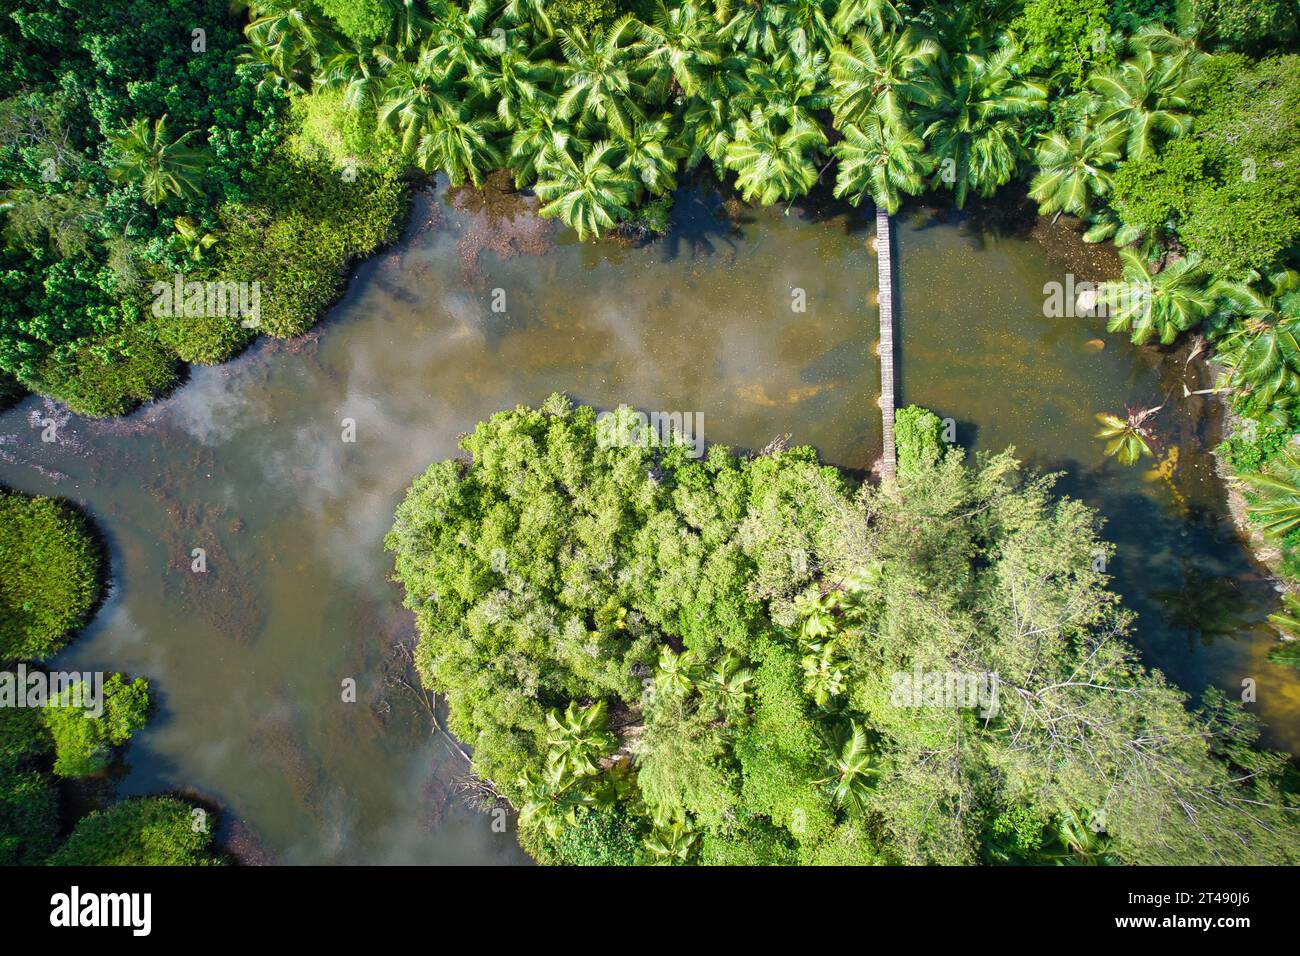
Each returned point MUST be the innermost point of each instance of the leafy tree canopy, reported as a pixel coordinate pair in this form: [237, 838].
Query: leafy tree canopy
[743, 659]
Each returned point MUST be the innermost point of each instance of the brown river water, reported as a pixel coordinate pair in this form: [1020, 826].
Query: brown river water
[247, 461]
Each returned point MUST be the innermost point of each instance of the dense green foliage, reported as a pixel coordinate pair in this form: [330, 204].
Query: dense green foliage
[51, 575]
[29, 802]
[142, 831]
[129, 157]
[918, 434]
[83, 743]
[641, 589]
[1115, 111]
[1144, 118]
[661, 659]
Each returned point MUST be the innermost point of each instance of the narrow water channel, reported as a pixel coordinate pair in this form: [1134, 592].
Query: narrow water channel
[248, 461]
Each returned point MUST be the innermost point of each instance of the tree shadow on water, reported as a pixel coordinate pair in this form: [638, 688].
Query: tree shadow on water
[702, 220]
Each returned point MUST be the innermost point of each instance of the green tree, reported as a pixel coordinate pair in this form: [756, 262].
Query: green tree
[1074, 170]
[591, 195]
[83, 741]
[1148, 95]
[142, 831]
[1149, 304]
[772, 164]
[974, 126]
[880, 160]
[51, 575]
[161, 166]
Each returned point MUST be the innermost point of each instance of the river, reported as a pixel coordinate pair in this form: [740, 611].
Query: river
[249, 462]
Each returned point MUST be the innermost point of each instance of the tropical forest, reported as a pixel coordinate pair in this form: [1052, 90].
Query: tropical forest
[649, 432]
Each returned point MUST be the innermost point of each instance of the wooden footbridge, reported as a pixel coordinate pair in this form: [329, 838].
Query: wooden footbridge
[885, 283]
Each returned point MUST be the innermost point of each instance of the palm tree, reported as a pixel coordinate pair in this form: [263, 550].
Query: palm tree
[679, 49]
[1148, 96]
[578, 738]
[524, 12]
[160, 166]
[409, 23]
[412, 94]
[1080, 840]
[286, 68]
[1128, 438]
[772, 166]
[789, 89]
[598, 76]
[727, 686]
[1262, 347]
[824, 675]
[537, 132]
[515, 76]
[193, 242]
[975, 125]
[455, 42]
[876, 14]
[1104, 223]
[551, 799]
[882, 73]
[1277, 493]
[591, 195]
[673, 840]
[807, 27]
[287, 24]
[818, 621]
[880, 160]
[757, 26]
[356, 69]
[650, 155]
[1148, 303]
[460, 144]
[1074, 169]
[708, 125]
[1287, 620]
[676, 673]
[851, 770]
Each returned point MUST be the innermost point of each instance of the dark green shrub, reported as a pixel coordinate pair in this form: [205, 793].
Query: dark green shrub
[755, 844]
[23, 737]
[602, 838]
[51, 575]
[29, 818]
[83, 743]
[300, 230]
[918, 438]
[144, 831]
[11, 392]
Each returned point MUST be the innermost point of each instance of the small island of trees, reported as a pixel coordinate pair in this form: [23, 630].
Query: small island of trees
[658, 659]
